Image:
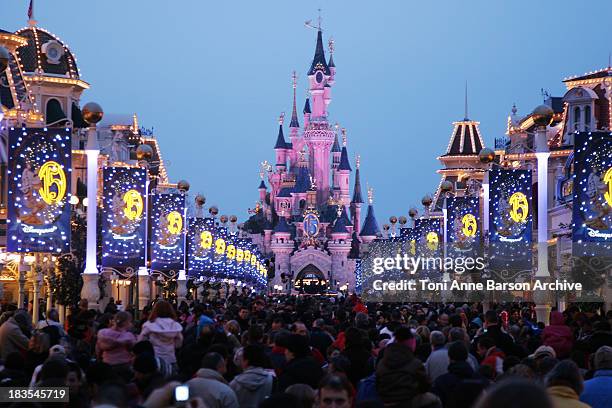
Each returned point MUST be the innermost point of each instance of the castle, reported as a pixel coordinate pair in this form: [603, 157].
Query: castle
[307, 219]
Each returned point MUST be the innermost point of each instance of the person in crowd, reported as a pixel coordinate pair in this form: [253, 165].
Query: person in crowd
[400, 377]
[164, 332]
[491, 356]
[437, 362]
[564, 384]
[38, 351]
[319, 338]
[358, 355]
[598, 390]
[15, 334]
[52, 327]
[304, 393]
[335, 391]
[460, 384]
[255, 382]
[243, 319]
[301, 367]
[210, 386]
[558, 335]
[145, 347]
[13, 373]
[515, 393]
[114, 345]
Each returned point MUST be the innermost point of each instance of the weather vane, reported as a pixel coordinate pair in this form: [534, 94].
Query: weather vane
[344, 137]
[308, 23]
[294, 79]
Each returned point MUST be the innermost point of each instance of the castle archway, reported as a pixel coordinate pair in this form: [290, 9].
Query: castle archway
[310, 280]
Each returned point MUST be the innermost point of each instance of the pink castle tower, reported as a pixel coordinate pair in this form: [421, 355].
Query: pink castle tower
[357, 200]
[294, 128]
[318, 135]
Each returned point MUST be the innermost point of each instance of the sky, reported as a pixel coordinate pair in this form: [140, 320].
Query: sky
[212, 77]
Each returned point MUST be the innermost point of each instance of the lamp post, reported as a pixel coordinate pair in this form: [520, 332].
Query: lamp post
[92, 114]
[486, 156]
[542, 117]
[144, 154]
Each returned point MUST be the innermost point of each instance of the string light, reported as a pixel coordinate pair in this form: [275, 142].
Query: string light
[168, 215]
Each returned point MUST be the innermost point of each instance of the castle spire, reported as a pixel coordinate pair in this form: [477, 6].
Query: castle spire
[344, 161]
[357, 198]
[331, 46]
[280, 139]
[318, 61]
[294, 119]
[370, 226]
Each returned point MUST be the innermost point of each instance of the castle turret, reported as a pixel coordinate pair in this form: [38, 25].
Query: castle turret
[318, 134]
[357, 200]
[281, 146]
[370, 226]
[306, 112]
[282, 246]
[343, 172]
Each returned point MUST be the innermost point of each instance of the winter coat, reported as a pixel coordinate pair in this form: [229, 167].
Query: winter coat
[366, 391]
[115, 346]
[360, 363]
[252, 386]
[400, 376]
[494, 359]
[12, 338]
[165, 335]
[213, 389]
[565, 397]
[558, 335]
[460, 386]
[598, 390]
[301, 370]
[437, 363]
[320, 340]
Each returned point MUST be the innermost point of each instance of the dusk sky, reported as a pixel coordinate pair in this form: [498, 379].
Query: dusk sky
[212, 77]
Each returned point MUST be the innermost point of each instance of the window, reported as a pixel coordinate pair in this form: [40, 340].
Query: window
[577, 118]
[587, 118]
[55, 113]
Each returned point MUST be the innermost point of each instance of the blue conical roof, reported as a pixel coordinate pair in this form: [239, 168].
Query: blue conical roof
[280, 140]
[336, 147]
[344, 161]
[357, 189]
[340, 226]
[307, 106]
[262, 185]
[318, 62]
[370, 226]
[282, 225]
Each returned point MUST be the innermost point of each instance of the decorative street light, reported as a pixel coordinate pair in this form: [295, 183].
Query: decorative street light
[92, 114]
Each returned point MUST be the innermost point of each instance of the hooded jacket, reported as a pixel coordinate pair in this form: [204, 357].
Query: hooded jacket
[213, 389]
[115, 345]
[565, 397]
[252, 386]
[12, 338]
[165, 335]
[558, 335]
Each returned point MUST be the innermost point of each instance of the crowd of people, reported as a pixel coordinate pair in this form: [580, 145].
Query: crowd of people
[249, 351]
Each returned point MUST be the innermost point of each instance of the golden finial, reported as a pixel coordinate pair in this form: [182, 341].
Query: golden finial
[294, 79]
[135, 126]
[344, 137]
[332, 45]
[357, 161]
[281, 118]
[370, 195]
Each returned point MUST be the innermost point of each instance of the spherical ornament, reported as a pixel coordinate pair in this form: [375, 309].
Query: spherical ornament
[92, 113]
[4, 58]
[413, 212]
[386, 227]
[403, 220]
[200, 200]
[542, 115]
[183, 185]
[393, 219]
[233, 218]
[223, 219]
[213, 210]
[426, 201]
[144, 152]
[486, 155]
[446, 186]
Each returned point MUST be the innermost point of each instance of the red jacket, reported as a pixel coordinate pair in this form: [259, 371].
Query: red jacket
[558, 335]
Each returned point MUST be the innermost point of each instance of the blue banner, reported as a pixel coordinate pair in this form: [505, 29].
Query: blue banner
[39, 173]
[124, 217]
[462, 222]
[592, 213]
[219, 260]
[168, 232]
[200, 247]
[510, 223]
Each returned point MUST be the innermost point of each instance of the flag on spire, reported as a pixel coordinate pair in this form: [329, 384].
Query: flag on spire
[31, 10]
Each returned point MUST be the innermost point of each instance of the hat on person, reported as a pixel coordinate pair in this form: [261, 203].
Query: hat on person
[544, 351]
[603, 358]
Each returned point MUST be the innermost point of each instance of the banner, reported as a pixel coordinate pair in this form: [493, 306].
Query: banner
[124, 217]
[592, 214]
[167, 232]
[200, 247]
[462, 223]
[39, 173]
[230, 256]
[510, 223]
[219, 253]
